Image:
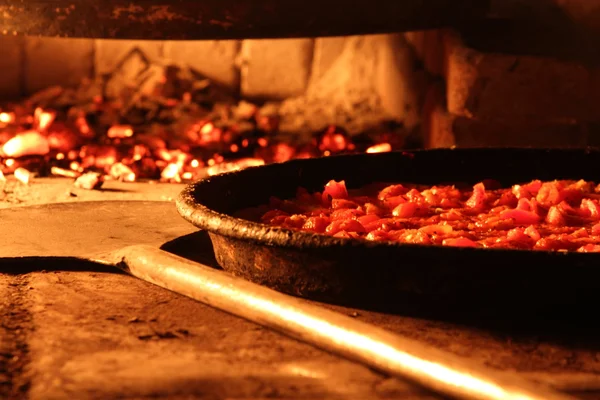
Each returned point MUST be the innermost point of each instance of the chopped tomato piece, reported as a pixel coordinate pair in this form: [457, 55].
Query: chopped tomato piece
[350, 225]
[590, 208]
[589, 248]
[316, 224]
[371, 208]
[405, 210]
[532, 233]
[335, 190]
[561, 215]
[550, 194]
[459, 242]
[555, 216]
[478, 197]
[346, 213]
[343, 203]
[520, 217]
[392, 191]
[393, 202]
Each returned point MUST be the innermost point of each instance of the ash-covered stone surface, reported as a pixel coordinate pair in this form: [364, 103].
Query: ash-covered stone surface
[14, 193]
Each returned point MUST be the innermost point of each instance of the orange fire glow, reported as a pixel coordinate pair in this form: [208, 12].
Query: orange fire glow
[120, 131]
[43, 119]
[82, 145]
[380, 148]
[26, 144]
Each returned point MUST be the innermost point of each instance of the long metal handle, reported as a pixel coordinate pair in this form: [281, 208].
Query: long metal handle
[328, 330]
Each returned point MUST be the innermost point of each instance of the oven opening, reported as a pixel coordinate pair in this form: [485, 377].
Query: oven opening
[96, 110]
[177, 111]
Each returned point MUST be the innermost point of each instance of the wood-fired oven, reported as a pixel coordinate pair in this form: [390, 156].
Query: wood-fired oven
[112, 111]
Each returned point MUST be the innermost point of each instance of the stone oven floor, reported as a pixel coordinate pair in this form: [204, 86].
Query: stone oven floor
[101, 334]
[61, 190]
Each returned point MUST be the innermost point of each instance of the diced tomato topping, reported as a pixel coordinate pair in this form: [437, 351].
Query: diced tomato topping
[343, 203]
[346, 213]
[552, 216]
[367, 219]
[532, 233]
[347, 235]
[580, 233]
[371, 208]
[335, 190]
[405, 210]
[350, 225]
[392, 191]
[550, 194]
[393, 202]
[377, 236]
[478, 197]
[533, 187]
[555, 216]
[590, 209]
[269, 215]
[316, 224]
[589, 248]
[414, 236]
[459, 242]
[506, 199]
[416, 197]
[520, 217]
[437, 229]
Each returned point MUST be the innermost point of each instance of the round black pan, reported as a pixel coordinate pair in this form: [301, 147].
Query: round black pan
[370, 274]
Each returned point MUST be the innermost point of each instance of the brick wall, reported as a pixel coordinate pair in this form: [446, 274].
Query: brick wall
[488, 85]
[255, 69]
[507, 87]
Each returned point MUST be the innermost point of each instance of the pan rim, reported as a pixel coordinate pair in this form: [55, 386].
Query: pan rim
[227, 225]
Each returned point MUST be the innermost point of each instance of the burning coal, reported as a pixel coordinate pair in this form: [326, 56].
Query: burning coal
[181, 130]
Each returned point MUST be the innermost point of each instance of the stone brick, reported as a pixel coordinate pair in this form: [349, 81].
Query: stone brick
[428, 46]
[435, 126]
[215, 59]
[417, 41]
[326, 51]
[398, 82]
[56, 61]
[275, 68]
[110, 53]
[11, 66]
[443, 129]
[494, 85]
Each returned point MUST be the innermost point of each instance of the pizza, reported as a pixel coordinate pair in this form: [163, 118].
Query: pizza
[559, 215]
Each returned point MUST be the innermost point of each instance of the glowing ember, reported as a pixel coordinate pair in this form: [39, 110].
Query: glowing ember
[334, 140]
[43, 119]
[234, 166]
[176, 133]
[23, 175]
[89, 181]
[26, 144]
[380, 148]
[6, 118]
[171, 173]
[64, 172]
[122, 172]
[120, 131]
